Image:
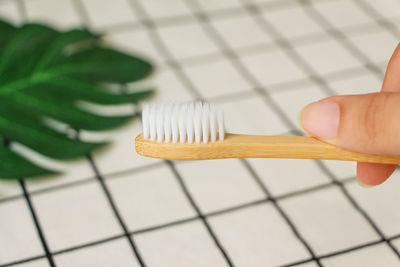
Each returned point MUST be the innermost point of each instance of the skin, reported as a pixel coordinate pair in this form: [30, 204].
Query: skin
[370, 123]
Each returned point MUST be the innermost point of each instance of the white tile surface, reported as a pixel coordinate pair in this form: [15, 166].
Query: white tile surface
[378, 255]
[341, 169]
[9, 11]
[9, 188]
[188, 244]
[19, 238]
[396, 244]
[327, 221]
[195, 42]
[387, 8]
[232, 29]
[360, 84]
[377, 46]
[150, 198]
[59, 13]
[211, 5]
[328, 56]
[381, 203]
[118, 12]
[217, 79]
[273, 67]
[136, 41]
[282, 176]
[293, 101]
[292, 22]
[35, 263]
[219, 184]
[347, 11]
[258, 236]
[252, 116]
[159, 8]
[114, 253]
[86, 216]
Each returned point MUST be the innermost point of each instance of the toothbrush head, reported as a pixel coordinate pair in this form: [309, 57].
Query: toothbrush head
[183, 122]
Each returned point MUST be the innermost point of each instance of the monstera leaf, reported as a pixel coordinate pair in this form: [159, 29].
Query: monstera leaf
[44, 73]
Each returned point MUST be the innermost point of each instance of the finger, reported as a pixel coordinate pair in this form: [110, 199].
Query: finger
[374, 174]
[364, 123]
[371, 174]
[391, 82]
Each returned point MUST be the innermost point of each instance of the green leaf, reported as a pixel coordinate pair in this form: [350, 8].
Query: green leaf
[13, 165]
[44, 73]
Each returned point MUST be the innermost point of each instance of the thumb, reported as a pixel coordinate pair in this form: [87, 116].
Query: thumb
[367, 123]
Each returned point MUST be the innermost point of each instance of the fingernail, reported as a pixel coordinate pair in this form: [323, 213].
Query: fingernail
[321, 119]
[364, 185]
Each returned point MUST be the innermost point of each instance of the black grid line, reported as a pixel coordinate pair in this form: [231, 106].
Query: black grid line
[321, 81]
[116, 212]
[151, 25]
[37, 224]
[201, 216]
[378, 18]
[217, 213]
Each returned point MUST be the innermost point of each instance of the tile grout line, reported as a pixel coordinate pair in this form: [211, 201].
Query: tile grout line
[116, 213]
[358, 208]
[378, 18]
[281, 212]
[199, 213]
[37, 224]
[233, 58]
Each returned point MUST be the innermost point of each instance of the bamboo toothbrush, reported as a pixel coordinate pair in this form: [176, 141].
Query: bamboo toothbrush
[195, 131]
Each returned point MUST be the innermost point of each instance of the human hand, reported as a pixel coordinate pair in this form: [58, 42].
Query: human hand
[367, 123]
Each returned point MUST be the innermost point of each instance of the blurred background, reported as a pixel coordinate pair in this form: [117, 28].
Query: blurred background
[262, 61]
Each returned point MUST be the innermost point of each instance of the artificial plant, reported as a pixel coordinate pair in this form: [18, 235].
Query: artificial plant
[43, 74]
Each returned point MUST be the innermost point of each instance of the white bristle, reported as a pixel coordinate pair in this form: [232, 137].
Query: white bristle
[183, 122]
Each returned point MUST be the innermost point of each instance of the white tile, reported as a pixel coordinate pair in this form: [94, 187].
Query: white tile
[360, 84]
[327, 221]
[187, 244]
[161, 8]
[381, 203]
[169, 88]
[252, 116]
[61, 13]
[219, 184]
[387, 8]
[241, 31]
[210, 5]
[396, 244]
[137, 42]
[9, 188]
[377, 255]
[120, 155]
[341, 169]
[328, 56]
[36, 263]
[308, 264]
[377, 46]
[112, 253]
[349, 13]
[292, 22]
[19, 238]
[293, 101]
[282, 176]
[187, 40]
[150, 198]
[74, 216]
[72, 171]
[258, 236]
[273, 67]
[105, 13]
[217, 78]
[9, 11]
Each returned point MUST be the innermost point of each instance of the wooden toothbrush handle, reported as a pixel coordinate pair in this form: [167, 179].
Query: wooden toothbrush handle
[256, 146]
